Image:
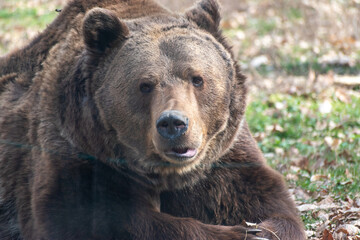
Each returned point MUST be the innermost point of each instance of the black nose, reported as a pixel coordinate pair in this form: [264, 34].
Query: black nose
[172, 124]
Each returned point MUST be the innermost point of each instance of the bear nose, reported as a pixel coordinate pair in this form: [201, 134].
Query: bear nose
[172, 124]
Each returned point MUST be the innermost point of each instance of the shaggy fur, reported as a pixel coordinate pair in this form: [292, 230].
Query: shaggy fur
[81, 156]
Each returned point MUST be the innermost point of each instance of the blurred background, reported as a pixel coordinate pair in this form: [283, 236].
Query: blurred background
[302, 60]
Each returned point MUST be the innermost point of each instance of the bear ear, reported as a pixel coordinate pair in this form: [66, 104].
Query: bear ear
[102, 29]
[206, 15]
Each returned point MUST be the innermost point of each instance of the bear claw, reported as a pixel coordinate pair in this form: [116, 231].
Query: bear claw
[253, 230]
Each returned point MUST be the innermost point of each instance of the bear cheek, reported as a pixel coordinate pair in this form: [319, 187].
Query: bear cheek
[198, 131]
[122, 115]
[214, 116]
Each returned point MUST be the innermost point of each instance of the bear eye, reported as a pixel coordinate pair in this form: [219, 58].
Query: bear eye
[146, 87]
[197, 81]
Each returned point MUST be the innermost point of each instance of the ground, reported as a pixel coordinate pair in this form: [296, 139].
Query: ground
[302, 60]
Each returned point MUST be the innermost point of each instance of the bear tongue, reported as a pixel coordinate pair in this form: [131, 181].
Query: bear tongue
[180, 150]
[184, 152]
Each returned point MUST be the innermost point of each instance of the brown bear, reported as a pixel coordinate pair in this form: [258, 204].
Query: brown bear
[123, 120]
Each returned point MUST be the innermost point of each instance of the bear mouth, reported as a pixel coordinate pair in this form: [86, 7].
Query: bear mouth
[182, 153]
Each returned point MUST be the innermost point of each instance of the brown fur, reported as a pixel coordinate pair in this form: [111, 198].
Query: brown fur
[80, 153]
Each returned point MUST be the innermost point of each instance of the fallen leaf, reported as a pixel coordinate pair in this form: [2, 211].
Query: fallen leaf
[356, 223]
[310, 207]
[280, 105]
[258, 61]
[327, 200]
[274, 128]
[278, 128]
[357, 202]
[333, 143]
[306, 207]
[292, 177]
[320, 162]
[327, 235]
[342, 96]
[300, 194]
[347, 80]
[348, 229]
[340, 236]
[310, 233]
[325, 107]
[332, 125]
[302, 162]
[346, 182]
[259, 136]
[295, 169]
[323, 215]
[279, 151]
[321, 125]
[317, 177]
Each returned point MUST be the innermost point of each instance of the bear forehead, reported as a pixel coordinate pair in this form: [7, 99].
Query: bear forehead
[174, 47]
[178, 55]
[174, 29]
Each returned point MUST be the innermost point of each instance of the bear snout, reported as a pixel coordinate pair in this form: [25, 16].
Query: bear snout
[172, 124]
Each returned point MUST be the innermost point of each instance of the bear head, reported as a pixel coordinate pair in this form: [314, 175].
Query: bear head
[167, 86]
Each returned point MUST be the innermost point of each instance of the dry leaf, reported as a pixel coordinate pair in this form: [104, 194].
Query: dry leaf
[327, 235]
[333, 143]
[321, 125]
[356, 223]
[306, 207]
[332, 125]
[325, 107]
[320, 162]
[343, 96]
[310, 233]
[311, 207]
[340, 236]
[279, 151]
[300, 193]
[323, 215]
[292, 177]
[346, 182]
[278, 128]
[348, 229]
[274, 128]
[302, 162]
[327, 200]
[280, 105]
[317, 177]
[347, 80]
[259, 136]
[258, 61]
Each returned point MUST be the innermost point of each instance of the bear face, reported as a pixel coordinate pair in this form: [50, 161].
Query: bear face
[172, 82]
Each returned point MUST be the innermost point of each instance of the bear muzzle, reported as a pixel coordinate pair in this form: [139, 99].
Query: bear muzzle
[172, 125]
